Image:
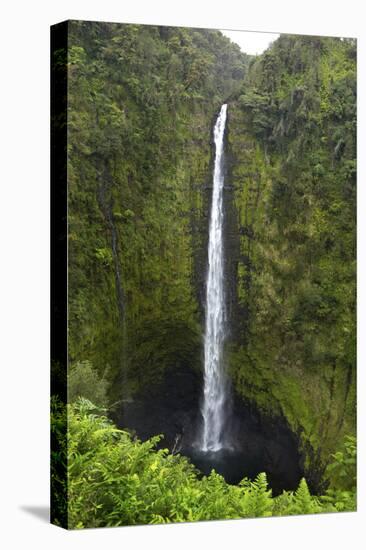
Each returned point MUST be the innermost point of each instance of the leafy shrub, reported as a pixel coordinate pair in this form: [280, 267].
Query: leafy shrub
[58, 462]
[343, 469]
[104, 255]
[84, 381]
[341, 496]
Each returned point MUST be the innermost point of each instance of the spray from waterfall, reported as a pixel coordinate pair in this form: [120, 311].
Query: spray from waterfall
[215, 384]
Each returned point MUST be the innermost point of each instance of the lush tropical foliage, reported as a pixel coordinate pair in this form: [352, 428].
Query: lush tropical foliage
[115, 479]
[141, 105]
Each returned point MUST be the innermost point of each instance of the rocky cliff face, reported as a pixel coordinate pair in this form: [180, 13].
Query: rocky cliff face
[291, 239]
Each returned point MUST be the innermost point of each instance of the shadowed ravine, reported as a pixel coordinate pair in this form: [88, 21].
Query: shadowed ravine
[261, 443]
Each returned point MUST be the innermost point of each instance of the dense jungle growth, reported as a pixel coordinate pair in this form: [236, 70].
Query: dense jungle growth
[142, 101]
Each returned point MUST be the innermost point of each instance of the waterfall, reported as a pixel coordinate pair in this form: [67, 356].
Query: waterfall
[215, 385]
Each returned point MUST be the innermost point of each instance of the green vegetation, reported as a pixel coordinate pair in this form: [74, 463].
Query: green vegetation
[114, 479]
[84, 381]
[141, 105]
[292, 141]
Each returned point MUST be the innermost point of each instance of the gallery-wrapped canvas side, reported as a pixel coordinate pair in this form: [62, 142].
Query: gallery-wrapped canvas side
[59, 274]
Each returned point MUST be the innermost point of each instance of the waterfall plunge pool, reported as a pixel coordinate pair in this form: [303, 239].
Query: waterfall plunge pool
[261, 443]
[234, 465]
[229, 463]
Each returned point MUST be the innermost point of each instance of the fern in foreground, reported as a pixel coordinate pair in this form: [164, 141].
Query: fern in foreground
[114, 479]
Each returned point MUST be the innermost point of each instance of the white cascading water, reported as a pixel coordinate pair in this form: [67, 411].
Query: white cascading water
[215, 387]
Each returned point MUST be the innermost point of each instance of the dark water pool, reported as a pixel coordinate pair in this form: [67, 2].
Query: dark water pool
[234, 465]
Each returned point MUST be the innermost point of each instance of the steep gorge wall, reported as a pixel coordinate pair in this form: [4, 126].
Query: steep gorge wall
[291, 192]
[142, 101]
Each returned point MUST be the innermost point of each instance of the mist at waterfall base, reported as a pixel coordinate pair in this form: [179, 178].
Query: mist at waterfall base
[259, 445]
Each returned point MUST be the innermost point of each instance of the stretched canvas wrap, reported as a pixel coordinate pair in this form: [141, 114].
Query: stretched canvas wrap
[203, 274]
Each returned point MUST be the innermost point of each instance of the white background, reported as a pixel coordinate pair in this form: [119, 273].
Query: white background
[24, 273]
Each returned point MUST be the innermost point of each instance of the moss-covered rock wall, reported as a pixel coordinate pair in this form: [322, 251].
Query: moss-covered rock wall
[142, 101]
[291, 175]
